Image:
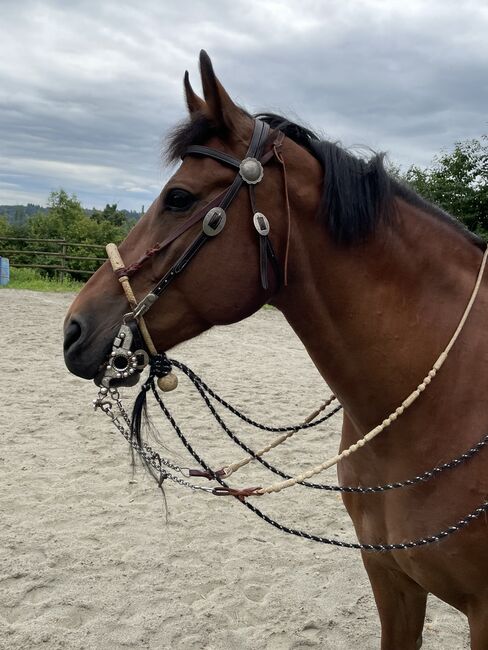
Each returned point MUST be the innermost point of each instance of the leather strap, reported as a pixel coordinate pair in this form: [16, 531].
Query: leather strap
[207, 152]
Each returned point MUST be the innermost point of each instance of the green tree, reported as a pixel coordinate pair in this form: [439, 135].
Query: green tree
[458, 182]
[110, 214]
[4, 227]
[67, 220]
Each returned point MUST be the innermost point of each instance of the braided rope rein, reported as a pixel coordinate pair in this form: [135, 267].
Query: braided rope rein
[408, 401]
[425, 476]
[398, 546]
[159, 464]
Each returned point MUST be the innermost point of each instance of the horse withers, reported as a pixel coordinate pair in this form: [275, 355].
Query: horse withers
[373, 280]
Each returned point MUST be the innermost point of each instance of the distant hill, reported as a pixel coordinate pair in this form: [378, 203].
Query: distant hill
[18, 214]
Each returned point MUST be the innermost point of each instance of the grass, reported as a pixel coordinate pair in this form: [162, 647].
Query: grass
[35, 281]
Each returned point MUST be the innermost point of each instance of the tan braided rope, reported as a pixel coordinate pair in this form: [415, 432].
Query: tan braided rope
[277, 487]
[232, 468]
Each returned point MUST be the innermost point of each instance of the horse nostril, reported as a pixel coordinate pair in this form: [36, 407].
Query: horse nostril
[72, 334]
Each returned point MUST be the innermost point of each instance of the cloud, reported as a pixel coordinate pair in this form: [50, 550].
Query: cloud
[88, 89]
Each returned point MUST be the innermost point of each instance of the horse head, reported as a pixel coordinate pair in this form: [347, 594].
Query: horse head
[236, 272]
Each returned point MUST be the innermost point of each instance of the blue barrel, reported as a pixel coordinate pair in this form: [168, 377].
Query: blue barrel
[4, 270]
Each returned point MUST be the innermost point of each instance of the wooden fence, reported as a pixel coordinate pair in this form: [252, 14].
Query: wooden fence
[61, 258]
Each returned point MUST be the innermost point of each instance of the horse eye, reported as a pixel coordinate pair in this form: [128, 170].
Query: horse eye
[179, 200]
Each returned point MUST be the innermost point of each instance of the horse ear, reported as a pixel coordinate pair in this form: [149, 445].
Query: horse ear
[193, 101]
[219, 106]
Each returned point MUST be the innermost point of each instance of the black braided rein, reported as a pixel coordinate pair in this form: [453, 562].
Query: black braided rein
[202, 388]
[283, 429]
[462, 523]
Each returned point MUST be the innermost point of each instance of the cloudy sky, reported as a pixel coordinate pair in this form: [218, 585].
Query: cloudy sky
[88, 88]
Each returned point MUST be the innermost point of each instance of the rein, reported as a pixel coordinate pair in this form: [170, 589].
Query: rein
[160, 466]
[125, 362]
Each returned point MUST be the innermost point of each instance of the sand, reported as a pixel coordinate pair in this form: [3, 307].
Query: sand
[88, 558]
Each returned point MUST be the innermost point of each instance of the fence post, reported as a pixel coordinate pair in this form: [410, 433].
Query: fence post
[63, 251]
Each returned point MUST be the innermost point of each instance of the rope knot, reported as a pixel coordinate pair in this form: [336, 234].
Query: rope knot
[160, 365]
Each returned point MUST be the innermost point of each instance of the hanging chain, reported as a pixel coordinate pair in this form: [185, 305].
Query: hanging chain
[104, 402]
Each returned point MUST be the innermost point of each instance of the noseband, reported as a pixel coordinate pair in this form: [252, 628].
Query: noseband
[213, 216]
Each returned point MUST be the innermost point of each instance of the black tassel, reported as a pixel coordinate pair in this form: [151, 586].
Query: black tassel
[139, 410]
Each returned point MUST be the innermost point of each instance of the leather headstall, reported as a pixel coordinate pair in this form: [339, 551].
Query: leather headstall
[213, 215]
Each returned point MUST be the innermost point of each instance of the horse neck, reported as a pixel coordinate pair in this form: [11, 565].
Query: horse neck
[375, 316]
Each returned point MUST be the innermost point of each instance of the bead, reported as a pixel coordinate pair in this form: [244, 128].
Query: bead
[168, 382]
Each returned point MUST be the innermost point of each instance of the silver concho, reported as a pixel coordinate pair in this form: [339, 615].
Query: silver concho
[214, 221]
[123, 363]
[251, 170]
[261, 223]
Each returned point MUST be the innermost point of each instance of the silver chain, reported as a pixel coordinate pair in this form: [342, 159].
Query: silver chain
[105, 400]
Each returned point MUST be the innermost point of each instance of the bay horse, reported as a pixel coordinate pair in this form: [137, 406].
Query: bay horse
[373, 280]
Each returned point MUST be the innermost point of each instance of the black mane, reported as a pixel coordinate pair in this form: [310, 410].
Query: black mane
[357, 194]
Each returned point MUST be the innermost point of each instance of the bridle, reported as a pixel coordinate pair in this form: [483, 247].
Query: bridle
[213, 215]
[128, 355]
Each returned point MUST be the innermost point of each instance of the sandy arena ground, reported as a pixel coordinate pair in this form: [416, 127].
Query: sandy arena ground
[87, 559]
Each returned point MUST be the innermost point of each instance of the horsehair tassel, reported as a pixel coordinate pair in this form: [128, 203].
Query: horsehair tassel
[170, 381]
[277, 487]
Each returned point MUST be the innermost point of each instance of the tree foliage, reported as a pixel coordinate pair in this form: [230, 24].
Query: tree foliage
[65, 219]
[458, 182]
[4, 226]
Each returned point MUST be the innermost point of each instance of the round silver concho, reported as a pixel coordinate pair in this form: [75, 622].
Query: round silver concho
[251, 170]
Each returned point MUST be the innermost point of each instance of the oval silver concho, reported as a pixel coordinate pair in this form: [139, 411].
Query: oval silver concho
[251, 170]
[214, 221]
[261, 224]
